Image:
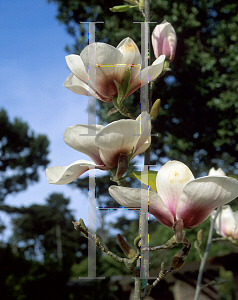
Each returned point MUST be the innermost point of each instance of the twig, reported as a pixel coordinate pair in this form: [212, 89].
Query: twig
[129, 262]
[203, 262]
[161, 276]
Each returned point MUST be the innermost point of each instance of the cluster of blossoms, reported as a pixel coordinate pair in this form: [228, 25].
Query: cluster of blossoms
[179, 197]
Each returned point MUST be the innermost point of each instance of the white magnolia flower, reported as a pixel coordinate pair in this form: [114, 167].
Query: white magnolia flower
[226, 223]
[213, 172]
[111, 64]
[103, 145]
[179, 195]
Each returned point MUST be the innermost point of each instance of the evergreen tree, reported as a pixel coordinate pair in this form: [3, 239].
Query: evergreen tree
[22, 154]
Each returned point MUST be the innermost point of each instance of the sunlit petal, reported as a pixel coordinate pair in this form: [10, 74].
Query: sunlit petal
[67, 174]
[117, 137]
[170, 181]
[77, 86]
[82, 137]
[128, 197]
[201, 196]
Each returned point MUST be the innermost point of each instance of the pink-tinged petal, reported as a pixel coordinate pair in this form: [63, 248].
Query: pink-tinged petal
[77, 67]
[170, 181]
[201, 196]
[77, 86]
[109, 67]
[64, 175]
[164, 40]
[225, 223]
[115, 138]
[131, 56]
[81, 138]
[235, 233]
[128, 197]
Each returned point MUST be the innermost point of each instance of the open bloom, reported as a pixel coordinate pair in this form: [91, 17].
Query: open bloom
[111, 64]
[164, 40]
[226, 223]
[179, 196]
[104, 145]
[219, 171]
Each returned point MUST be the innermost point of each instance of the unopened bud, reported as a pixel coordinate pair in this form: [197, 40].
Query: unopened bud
[120, 8]
[155, 109]
[164, 41]
[200, 236]
[179, 258]
[129, 252]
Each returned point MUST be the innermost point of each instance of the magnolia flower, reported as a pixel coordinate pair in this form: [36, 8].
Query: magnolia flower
[106, 146]
[213, 172]
[164, 40]
[111, 65]
[226, 223]
[179, 196]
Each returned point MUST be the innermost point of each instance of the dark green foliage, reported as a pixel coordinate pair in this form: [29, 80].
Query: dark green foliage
[22, 153]
[36, 232]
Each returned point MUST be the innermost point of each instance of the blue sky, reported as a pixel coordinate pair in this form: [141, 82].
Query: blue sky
[32, 72]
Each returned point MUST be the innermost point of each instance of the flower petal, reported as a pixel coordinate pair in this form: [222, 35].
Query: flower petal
[77, 67]
[152, 72]
[129, 197]
[107, 59]
[225, 223]
[170, 181]
[213, 172]
[145, 139]
[148, 74]
[131, 56]
[64, 175]
[201, 196]
[77, 86]
[81, 138]
[115, 138]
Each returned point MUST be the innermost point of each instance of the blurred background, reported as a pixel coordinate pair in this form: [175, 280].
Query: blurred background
[41, 254]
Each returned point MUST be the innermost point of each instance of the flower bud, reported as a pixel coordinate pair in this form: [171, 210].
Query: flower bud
[164, 41]
[129, 252]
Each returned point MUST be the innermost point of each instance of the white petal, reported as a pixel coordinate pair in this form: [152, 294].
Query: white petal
[131, 55]
[117, 137]
[145, 139]
[109, 67]
[170, 181]
[214, 172]
[81, 138]
[77, 67]
[67, 174]
[77, 86]
[148, 74]
[152, 72]
[128, 197]
[201, 196]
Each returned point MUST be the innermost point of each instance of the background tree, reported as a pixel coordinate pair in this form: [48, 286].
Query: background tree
[22, 154]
